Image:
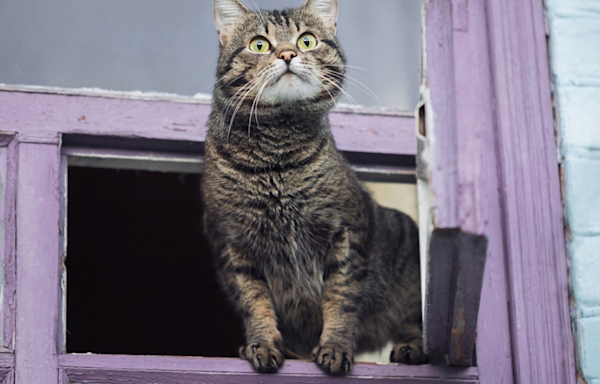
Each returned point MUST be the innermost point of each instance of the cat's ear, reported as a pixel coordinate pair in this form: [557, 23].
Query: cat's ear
[327, 10]
[226, 14]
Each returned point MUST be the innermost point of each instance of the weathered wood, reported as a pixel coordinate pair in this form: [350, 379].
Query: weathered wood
[444, 244]
[457, 245]
[61, 342]
[438, 191]
[9, 378]
[466, 288]
[479, 200]
[542, 342]
[7, 364]
[38, 264]
[437, 89]
[42, 115]
[8, 176]
[160, 369]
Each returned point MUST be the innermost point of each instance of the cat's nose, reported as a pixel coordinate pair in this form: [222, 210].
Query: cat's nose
[287, 56]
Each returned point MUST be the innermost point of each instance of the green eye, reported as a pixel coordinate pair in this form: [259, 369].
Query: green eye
[307, 41]
[259, 45]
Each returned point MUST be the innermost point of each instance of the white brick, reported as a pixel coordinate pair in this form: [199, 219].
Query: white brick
[580, 115]
[585, 271]
[588, 332]
[582, 181]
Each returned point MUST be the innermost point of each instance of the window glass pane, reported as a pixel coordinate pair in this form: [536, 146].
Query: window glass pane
[171, 46]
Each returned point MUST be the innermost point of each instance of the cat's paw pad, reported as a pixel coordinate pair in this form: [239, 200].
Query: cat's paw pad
[264, 357]
[408, 353]
[335, 360]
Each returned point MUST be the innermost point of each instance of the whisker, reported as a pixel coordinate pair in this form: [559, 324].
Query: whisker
[332, 81]
[255, 104]
[258, 12]
[337, 109]
[218, 80]
[338, 86]
[234, 99]
[265, 74]
[238, 108]
[356, 83]
[348, 66]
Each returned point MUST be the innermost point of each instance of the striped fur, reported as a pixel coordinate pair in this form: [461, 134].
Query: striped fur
[313, 265]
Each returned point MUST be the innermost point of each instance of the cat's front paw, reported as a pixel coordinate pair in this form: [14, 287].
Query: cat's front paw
[409, 353]
[335, 360]
[265, 357]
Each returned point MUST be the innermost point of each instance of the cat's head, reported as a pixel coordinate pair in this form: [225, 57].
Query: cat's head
[279, 58]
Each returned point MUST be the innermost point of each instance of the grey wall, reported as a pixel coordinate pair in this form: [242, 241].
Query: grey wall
[171, 45]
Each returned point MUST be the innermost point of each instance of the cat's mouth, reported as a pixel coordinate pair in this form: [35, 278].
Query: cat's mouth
[288, 73]
[289, 85]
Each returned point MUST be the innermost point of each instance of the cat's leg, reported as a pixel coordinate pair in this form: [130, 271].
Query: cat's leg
[409, 348]
[251, 294]
[407, 332]
[408, 338]
[343, 282]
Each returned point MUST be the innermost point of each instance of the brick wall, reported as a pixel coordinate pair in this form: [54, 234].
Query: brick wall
[575, 49]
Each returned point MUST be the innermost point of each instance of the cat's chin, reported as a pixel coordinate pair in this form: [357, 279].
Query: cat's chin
[288, 89]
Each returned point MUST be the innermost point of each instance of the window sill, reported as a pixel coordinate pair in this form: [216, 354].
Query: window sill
[90, 368]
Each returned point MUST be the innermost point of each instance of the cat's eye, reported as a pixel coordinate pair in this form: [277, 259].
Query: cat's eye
[307, 41]
[259, 45]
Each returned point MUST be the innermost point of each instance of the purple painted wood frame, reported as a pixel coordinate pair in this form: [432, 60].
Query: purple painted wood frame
[38, 260]
[7, 364]
[508, 193]
[50, 114]
[184, 370]
[493, 54]
[542, 341]
[8, 179]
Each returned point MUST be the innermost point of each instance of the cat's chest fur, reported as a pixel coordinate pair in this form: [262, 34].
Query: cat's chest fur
[288, 245]
[276, 214]
[287, 242]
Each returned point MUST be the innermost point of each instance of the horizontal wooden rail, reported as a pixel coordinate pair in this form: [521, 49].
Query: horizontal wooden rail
[182, 370]
[45, 114]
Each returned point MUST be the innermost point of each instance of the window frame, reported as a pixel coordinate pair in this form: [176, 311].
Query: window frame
[8, 164]
[524, 332]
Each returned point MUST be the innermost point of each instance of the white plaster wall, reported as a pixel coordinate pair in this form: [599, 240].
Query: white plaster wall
[575, 50]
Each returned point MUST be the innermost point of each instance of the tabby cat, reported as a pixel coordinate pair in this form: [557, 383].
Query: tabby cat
[313, 265]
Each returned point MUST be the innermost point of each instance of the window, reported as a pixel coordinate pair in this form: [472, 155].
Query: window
[44, 125]
[158, 47]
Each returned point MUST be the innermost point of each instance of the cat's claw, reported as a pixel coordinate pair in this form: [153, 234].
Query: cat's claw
[408, 353]
[264, 358]
[334, 360]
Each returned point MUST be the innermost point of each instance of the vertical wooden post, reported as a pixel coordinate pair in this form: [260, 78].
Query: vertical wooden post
[542, 342]
[479, 198]
[8, 178]
[457, 247]
[437, 159]
[37, 263]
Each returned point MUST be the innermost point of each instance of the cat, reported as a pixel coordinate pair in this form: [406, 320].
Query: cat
[313, 265]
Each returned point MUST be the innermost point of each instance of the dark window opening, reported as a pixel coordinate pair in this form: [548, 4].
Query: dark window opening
[140, 274]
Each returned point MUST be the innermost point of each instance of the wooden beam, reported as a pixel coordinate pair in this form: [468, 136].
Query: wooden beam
[38, 280]
[187, 370]
[26, 111]
[536, 260]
